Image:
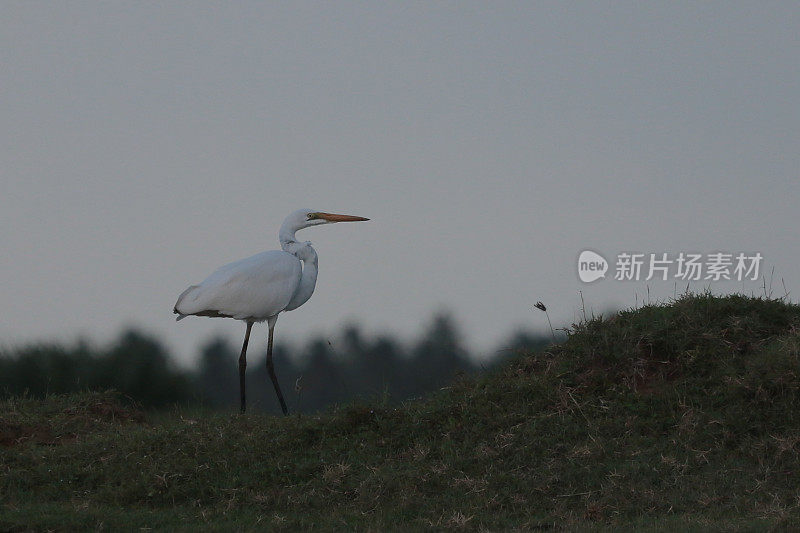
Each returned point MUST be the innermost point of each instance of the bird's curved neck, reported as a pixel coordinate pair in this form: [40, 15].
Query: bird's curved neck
[308, 279]
[286, 235]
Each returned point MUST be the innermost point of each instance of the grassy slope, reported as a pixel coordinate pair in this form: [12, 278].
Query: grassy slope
[663, 417]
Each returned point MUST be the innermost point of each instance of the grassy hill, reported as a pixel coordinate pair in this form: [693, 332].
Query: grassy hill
[685, 415]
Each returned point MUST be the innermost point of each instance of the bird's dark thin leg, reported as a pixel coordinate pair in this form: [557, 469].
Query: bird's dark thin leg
[271, 370]
[243, 367]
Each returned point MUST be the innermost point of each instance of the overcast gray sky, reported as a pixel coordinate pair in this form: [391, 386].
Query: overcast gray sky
[146, 143]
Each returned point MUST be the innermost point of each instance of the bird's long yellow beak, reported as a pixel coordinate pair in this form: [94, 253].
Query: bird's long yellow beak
[331, 217]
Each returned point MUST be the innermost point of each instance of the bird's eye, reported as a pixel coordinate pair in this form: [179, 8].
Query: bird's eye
[311, 216]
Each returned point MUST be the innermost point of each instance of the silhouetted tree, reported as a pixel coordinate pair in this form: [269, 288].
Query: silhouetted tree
[381, 370]
[322, 377]
[218, 374]
[46, 369]
[138, 366]
[359, 367]
[438, 356]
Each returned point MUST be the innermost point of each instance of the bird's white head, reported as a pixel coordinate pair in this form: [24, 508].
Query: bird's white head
[304, 218]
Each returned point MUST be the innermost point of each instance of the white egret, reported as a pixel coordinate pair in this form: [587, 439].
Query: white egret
[258, 288]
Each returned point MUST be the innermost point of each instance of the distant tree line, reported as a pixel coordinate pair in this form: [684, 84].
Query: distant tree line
[313, 377]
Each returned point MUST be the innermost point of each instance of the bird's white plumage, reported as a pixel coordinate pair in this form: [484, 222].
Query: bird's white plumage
[258, 288]
[254, 288]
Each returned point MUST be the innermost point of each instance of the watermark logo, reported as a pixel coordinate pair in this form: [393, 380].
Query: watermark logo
[682, 266]
[591, 266]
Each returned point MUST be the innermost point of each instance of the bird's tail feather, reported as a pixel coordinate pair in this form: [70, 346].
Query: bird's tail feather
[178, 303]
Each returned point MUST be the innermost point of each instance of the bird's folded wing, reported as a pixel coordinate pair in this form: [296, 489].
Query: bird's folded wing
[253, 288]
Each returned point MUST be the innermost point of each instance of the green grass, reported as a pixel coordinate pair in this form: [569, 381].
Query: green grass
[683, 416]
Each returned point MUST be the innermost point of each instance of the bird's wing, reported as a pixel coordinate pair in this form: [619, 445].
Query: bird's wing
[253, 288]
